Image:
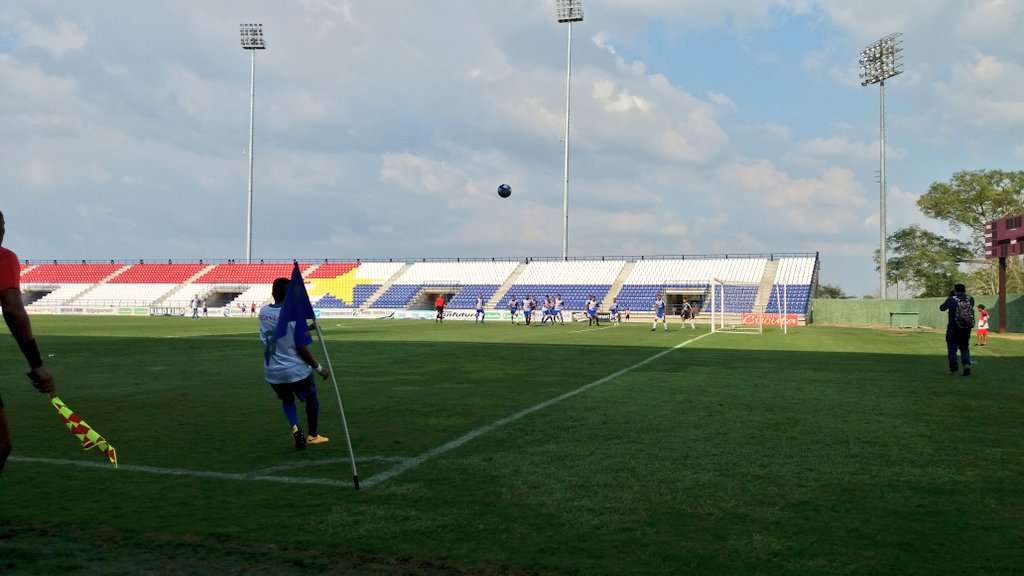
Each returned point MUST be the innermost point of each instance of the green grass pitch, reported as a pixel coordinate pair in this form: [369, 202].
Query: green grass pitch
[825, 451]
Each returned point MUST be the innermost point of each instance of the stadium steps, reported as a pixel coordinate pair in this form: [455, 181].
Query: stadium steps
[368, 303]
[27, 269]
[104, 280]
[613, 292]
[504, 288]
[310, 270]
[764, 291]
[159, 301]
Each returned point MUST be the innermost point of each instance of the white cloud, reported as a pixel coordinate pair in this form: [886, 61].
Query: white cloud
[59, 39]
[817, 151]
[722, 101]
[615, 99]
[391, 117]
[827, 204]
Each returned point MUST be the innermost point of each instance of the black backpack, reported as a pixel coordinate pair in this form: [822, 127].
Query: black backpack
[964, 312]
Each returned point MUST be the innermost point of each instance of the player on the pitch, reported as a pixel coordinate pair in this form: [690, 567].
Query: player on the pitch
[21, 328]
[559, 304]
[687, 313]
[528, 306]
[659, 313]
[439, 306]
[479, 309]
[513, 308]
[289, 370]
[592, 311]
[548, 310]
[613, 312]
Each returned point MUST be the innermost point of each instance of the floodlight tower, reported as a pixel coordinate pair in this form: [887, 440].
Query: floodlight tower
[880, 61]
[567, 11]
[252, 40]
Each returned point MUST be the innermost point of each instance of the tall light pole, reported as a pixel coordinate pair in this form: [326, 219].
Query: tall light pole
[567, 11]
[252, 40]
[880, 61]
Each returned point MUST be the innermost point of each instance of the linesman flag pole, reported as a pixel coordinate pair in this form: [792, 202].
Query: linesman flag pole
[297, 308]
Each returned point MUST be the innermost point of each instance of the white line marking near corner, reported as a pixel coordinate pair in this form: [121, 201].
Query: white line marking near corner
[325, 462]
[184, 472]
[414, 462]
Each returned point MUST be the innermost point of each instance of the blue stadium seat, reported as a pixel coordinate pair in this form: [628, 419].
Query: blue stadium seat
[798, 299]
[574, 296]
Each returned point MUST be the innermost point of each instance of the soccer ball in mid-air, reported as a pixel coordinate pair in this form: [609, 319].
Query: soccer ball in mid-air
[504, 190]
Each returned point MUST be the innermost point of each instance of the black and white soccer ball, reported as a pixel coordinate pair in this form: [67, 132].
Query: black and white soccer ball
[504, 190]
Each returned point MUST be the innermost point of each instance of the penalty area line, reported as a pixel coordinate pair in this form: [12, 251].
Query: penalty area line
[416, 461]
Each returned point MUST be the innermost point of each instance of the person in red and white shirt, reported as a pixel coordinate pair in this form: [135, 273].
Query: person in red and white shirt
[983, 315]
[17, 321]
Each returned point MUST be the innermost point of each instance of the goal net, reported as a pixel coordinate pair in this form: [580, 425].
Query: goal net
[733, 307]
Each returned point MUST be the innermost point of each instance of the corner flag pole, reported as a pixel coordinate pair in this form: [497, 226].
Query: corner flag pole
[341, 407]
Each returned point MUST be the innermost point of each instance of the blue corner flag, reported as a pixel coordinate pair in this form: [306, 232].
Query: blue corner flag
[296, 308]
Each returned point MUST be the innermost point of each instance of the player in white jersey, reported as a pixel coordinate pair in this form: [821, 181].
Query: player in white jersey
[592, 311]
[659, 313]
[513, 308]
[289, 370]
[479, 309]
[613, 312]
[558, 308]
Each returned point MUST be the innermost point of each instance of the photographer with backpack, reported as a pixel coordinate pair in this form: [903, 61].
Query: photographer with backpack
[960, 308]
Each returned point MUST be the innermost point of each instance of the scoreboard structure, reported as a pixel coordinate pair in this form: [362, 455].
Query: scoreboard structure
[1004, 238]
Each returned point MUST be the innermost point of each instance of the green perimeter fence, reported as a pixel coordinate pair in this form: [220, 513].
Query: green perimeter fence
[877, 312]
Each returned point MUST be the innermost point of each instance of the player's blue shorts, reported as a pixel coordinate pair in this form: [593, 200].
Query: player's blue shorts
[479, 310]
[592, 313]
[527, 313]
[556, 311]
[660, 314]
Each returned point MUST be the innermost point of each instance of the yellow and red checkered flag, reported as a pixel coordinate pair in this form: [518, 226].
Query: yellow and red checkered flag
[89, 437]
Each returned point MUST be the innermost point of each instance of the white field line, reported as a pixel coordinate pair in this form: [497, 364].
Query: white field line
[252, 333]
[327, 461]
[590, 329]
[257, 476]
[414, 462]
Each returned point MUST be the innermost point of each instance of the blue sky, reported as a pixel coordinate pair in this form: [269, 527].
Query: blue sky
[383, 128]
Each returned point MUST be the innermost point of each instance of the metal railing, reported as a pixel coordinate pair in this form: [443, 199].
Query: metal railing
[413, 260]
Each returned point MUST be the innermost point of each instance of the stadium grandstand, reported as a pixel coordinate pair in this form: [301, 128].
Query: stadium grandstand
[380, 288]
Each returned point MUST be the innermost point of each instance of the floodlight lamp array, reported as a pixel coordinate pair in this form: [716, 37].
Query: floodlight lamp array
[881, 60]
[569, 10]
[252, 37]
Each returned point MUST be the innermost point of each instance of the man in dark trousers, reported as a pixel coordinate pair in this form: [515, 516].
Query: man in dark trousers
[17, 321]
[960, 308]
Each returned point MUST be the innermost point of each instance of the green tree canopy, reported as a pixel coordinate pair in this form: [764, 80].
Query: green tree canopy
[829, 291]
[925, 261]
[972, 198]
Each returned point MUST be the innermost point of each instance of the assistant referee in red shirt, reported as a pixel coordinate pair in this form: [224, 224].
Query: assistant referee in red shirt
[17, 321]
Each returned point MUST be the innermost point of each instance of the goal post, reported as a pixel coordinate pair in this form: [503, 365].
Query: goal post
[742, 321]
[781, 292]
